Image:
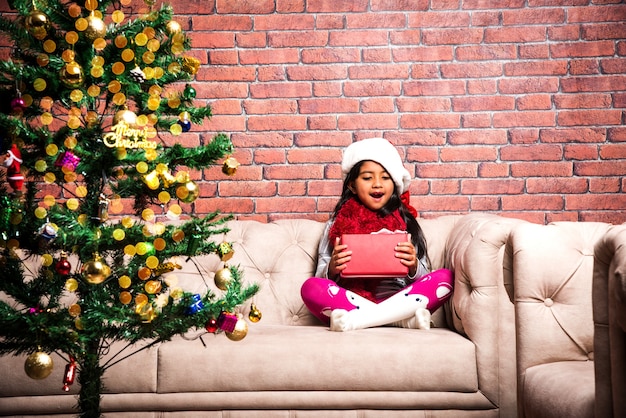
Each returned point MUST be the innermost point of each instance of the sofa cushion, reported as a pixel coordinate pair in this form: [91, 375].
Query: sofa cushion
[561, 389]
[312, 358]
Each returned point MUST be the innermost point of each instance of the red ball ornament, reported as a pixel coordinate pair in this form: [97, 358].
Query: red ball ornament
[18, 104]
[63, 267]
[211, 326]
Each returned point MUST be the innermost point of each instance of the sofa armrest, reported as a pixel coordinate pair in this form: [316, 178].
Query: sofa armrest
[553, 270]
[609, 314]
[480, 306]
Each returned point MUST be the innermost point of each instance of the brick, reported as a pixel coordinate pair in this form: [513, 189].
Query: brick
[456, 170]
[222, 23]
[613, 66]
[492, 186]
[335, 105]
[430, 121]
[259, 140]
[309, 139]
[423, 104]
[292, 188]
[473, 153]
[477, 136]
[584, 66]
[251, 40]
[486, 169]
[424, 71]
[274, 56]
[251, 7]
[589, 117]
[605, 31]
[369, 121]
[269, 123]
[524, 119]
[611, 217]
[528, 85]
[486, 52]
[534, 51]
[324, 188]
[445, 187]
[389, 5]
[223, 57]
[596, 14]
[471, 70]
[330, 89]
[541, 169]
[482, 103]
[580, 152]
[538, 152]
[616, 134]
[372, 88]
[482, 86]
[476, 120]
[451, 36]
[564, 33]
[514, 69]
[434, 88]
[193, 7]
[358, 38]
[322, 122]
[336, 6]
[216, 73]
[227, 107]
[378, 105]
[400, 71]
[213, 40]
[590, 135]
[272, 106]
[405, 37]
[541, 202]
[290, 6]
[377, 55]
[604, 185]
[269, 156]
[284, 205]
[485, 203]
[534, 102]
[317, 72]
[431, 19]
[378, 20]
[437, 205]
[280, 90]
[613, 151]
[524, 34]
[487, 18]
[298, 39]
[271, 73]
[224, 205]
[490, 4]
[530, 16]
[414, 138]
[225, 123]
[557, 185]
[423, 54]
[330, 21]
[314, 155]
[596, 201]
[248, 189]
[330, 55]
[582, 49]
[582, 101]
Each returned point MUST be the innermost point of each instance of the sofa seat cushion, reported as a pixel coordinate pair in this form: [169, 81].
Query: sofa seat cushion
[312, 358]
[560, 389]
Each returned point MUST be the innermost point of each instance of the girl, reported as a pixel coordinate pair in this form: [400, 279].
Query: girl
[375, 197]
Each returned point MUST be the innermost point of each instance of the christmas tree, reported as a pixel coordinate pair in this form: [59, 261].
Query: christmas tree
[96, 94]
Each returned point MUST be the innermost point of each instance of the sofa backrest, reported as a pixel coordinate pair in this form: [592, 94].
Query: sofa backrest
[553, 267]
[280, 256]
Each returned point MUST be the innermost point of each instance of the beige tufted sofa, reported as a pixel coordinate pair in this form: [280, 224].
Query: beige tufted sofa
[291, 366]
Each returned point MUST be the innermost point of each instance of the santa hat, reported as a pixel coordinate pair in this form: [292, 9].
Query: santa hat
[381, 151]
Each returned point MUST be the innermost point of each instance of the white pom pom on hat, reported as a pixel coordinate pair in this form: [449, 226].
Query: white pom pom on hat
[382, 152]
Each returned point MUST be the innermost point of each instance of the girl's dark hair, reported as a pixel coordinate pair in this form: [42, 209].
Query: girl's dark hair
[412, 226]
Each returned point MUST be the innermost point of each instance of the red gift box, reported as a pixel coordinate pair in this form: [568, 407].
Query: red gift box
[373, 255]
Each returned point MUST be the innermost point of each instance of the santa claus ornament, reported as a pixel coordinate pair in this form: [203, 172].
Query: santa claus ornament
[13, 162]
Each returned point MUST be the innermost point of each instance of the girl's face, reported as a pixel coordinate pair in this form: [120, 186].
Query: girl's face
[373, 186]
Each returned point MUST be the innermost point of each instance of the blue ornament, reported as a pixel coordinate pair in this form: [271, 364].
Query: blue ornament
[196, 305]
[185, 124]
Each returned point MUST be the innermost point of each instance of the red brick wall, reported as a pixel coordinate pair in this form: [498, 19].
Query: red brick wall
[513, 107]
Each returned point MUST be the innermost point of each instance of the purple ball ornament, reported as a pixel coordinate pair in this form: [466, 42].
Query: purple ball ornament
[18, 105]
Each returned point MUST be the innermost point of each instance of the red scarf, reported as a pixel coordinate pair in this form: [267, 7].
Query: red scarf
[354, 218]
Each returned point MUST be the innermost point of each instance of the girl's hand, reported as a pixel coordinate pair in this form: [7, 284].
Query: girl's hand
[338, 259]
[407, 254]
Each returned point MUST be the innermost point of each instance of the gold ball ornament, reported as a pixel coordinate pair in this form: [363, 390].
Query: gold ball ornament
[230, 166]
[173, 27]
[72, 74]
[225, 251]
[255, 314]
[240, 331]
[188, 191]
[127, 116]
[38, 365]
[37, 24]
[223, 278]
[191, 65]
[96, 28]
[96, 271]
